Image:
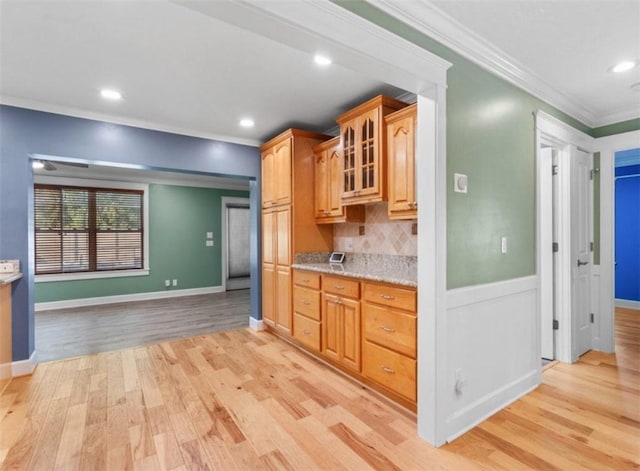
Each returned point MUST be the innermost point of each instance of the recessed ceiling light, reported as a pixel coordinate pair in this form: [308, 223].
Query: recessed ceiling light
[623, 67]
[321, 60]
[37, 164]
[247, 123]
[110, 94]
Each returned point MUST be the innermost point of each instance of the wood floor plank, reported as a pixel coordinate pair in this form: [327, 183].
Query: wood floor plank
[246, 400]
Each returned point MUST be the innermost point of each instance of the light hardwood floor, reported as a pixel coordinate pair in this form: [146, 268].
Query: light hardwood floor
[247, 400]
[67, 333]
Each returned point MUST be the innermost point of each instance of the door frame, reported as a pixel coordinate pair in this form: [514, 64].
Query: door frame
[565, 139]
[608, 146]
[225, 201]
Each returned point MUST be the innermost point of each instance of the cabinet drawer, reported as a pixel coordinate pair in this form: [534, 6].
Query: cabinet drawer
[392, 329]
[390, 369]
[305, 278]
[307, 302]
[341, 286]
[306, 331]
[400, 298]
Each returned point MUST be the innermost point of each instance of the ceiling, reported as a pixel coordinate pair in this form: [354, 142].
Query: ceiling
[570, 45]
[189, 72]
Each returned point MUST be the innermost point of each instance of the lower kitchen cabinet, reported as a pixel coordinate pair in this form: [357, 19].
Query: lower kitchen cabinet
[341, 330]
[367, 329]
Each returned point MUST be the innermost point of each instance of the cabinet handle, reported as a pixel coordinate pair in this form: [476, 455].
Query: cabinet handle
[387, 329]
[306, 280]
[339, 287]
[387, 296]
[326, 213]
[306, 332]
[388, 370]
[415, 204]
[305, 302]
[337, 303]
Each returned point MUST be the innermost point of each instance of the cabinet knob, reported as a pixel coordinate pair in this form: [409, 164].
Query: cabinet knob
[337, 303]
[387, 370]
[387, 329]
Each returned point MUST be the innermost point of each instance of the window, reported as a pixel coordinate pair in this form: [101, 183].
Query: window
[80, 229]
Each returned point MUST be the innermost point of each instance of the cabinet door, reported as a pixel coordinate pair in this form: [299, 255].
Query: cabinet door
[334, 178]
[322, 184]
[331, 308]
[268, 178]
[283, 298]
[282, 190]
[349, 150]
[268, 234]
[368, 153]
[401, 159]
[283, 236]
[268, 293]
[350, 342]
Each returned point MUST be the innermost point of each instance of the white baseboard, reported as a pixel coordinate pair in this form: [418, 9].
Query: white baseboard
[25, 367]
[466, 419]
[256, 324]
[126, 298]
[628, 304]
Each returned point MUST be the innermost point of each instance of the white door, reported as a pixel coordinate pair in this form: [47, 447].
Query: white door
[580, 250]
[546, 270]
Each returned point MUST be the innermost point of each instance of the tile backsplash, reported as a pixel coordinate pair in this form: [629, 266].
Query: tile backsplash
[381, 236]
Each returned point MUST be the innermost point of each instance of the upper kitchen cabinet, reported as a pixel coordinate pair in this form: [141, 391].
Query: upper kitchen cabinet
[276, 171]
[363, 144]
[328, 186]
[401, 152]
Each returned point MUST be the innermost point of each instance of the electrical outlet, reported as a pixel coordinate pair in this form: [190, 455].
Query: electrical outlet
[360, 230]
[175, 283]
[167, 283]
[414, 228]
[349, 243]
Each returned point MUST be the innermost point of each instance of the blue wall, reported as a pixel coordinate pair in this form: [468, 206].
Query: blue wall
[25, 132]
[628, 232]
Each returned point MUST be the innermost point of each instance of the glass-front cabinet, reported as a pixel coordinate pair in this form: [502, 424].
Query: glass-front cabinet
[363, 142]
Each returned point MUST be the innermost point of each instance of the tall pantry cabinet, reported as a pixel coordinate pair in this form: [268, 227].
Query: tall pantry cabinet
[288, 219]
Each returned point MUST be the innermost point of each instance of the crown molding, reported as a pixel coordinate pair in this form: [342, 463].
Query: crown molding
[429, 20]
[113, 119]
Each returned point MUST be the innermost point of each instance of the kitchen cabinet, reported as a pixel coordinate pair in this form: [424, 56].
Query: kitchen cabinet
[328, 186]
[401, 147]
[276, 173]
[306, 309]
[341, 330]
[389, 344]
[363, 146]
[288, 202]
[5, 336]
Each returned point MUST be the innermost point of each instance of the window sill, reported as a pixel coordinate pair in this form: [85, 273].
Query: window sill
[90, 276]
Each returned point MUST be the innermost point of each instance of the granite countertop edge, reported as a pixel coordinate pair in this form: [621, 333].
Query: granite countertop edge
[395, 279]
[8, 278]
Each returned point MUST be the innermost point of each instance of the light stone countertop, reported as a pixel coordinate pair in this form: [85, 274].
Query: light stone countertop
[8, 278]
[386, 269]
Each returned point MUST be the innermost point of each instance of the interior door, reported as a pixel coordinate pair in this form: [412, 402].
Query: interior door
[546, 296]
[581, 205]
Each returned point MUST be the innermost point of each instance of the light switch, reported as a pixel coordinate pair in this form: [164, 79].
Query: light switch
[209, 243]
[209, 235]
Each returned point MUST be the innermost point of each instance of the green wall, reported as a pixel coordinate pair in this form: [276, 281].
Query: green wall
[490, 138]
[179, 218]
[617, 128]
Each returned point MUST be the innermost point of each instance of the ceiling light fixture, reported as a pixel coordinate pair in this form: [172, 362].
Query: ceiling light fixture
[623, 67]
[110, 94]
[321, 60]
[247, 123]
[37, 164]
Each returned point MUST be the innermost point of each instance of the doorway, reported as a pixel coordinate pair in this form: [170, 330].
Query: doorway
[564, 239]
[236, 222]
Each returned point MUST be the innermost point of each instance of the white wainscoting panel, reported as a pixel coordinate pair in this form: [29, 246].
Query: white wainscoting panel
[492, 350]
